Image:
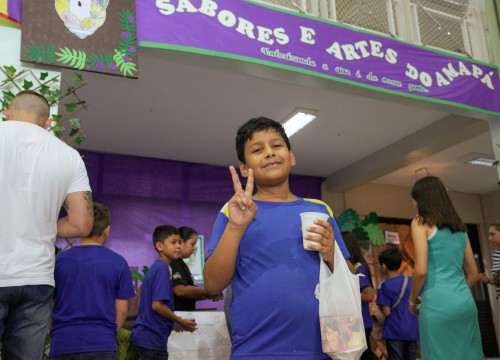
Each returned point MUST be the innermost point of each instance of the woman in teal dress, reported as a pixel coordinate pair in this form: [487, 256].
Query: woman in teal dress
[443, 274]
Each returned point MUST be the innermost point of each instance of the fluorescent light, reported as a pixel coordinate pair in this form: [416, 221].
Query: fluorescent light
[297, 120]
[478, 159]
[481, 161]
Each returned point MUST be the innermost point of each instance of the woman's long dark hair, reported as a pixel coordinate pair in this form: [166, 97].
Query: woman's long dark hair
[352, 245]
[434, 205]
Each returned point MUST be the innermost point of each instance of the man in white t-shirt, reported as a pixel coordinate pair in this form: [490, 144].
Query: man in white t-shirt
[38, 174]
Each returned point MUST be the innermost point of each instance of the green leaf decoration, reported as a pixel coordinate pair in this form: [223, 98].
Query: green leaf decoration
[127, 24]
[375, 234]
[104, 59]
[48, 86]
[42, 53]
[27, 84]
[7, 95]
[71, 57]
[496, 162]
[126, 68]
[58, 130]
[348, 220]
[80, 139]
[363, 238]
[371, 218]
[136, 275]
[44, 89]
[56, 118]
[53, 96]
[75, 123]
[70, 107]
[77, 77]
[10, 70]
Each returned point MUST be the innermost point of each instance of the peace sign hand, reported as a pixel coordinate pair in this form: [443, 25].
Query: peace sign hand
[242, 209]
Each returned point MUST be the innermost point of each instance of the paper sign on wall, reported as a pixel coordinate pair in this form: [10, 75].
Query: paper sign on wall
[392, 237]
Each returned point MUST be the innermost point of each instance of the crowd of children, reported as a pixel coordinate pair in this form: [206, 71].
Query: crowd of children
[256, 246]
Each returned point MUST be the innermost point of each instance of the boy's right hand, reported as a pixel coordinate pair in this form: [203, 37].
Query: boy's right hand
[187, 325]
[242, 209]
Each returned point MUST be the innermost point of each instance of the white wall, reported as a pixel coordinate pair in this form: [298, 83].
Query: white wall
[395, 201]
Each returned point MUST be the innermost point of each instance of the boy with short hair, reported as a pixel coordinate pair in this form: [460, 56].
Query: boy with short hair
[156, 317]
[257, 245]
[400, 330]
[93, 285]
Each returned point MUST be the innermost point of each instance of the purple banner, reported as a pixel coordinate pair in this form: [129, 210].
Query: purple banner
[250, 32]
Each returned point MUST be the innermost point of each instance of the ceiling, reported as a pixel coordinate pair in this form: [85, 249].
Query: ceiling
[188, 107]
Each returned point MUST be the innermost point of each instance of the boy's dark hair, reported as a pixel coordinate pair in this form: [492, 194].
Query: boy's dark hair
[102, 219]
[246, 131]
[434, 205]
[186, 232]
[163, 232]
[391, 257]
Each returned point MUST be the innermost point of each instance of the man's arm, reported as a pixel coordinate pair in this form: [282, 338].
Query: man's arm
[121, 312]
[80, 215]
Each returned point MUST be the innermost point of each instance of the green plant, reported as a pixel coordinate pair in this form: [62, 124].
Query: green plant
[66, 124]
[138, 275]
[366, 230]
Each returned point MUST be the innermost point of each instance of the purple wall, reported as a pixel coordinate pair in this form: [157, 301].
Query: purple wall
[143, 193]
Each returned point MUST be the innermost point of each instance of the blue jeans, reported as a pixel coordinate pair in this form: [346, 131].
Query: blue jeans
[98, 355]
[401, 350]
[24, 321]
[148, 354]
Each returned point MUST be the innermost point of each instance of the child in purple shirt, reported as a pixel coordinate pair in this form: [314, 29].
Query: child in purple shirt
[400, 330]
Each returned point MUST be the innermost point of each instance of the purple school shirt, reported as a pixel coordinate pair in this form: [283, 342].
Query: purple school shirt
[401, 324]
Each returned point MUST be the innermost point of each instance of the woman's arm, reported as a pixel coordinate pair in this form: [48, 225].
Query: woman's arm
[470, 267]
[419, 234]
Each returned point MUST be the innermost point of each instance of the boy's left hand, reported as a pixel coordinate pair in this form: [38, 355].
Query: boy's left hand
[325, 239]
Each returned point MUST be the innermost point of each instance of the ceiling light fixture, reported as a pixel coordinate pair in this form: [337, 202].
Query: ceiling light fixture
[298, 119]
[478, 159]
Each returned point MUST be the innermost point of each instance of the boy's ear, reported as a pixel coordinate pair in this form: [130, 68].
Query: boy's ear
[106, 231]
[243, 169]
[159, 245]
[293, 161]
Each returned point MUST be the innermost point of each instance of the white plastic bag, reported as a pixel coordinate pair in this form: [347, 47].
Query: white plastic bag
[341, 320]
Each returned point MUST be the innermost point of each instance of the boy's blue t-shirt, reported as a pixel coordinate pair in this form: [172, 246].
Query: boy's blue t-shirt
[274, 312]
[364, 281]
[88, 279]
[401, 324]
[151, 330]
